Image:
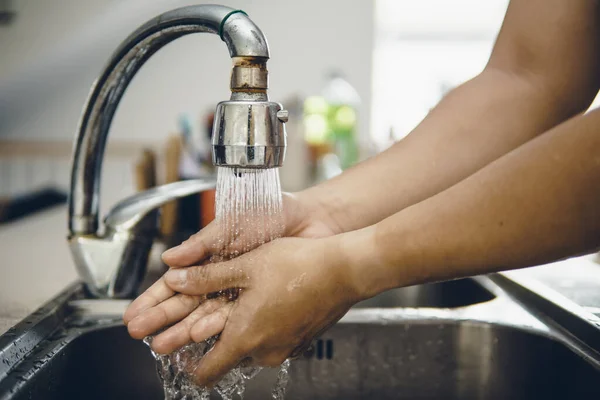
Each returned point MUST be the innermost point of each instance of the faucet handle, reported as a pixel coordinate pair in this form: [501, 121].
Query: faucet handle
[129, 212]
[114, 264]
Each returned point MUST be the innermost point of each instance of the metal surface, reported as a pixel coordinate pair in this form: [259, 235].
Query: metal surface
[112, 262]
[491, 350]
[22, 338]
[576, 279]
[243, 38]
[580, 324]
[450, 294]
[256, 77]
[248, 134]
[129, 212]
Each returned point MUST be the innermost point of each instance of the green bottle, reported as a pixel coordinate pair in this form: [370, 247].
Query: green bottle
[342, 119]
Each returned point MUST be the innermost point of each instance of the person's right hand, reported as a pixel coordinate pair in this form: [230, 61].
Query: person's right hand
[159, 306]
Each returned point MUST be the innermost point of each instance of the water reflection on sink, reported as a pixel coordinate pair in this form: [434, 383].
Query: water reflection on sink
[448, 294]
[417, 360]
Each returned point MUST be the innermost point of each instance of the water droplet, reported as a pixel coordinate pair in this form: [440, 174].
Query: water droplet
[249, 213]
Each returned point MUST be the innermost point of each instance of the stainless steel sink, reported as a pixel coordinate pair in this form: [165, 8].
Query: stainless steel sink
[450, 294]
[493, 349]
[441, 360]
[421, 360]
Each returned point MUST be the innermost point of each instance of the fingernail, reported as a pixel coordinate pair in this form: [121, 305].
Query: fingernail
[176, 276]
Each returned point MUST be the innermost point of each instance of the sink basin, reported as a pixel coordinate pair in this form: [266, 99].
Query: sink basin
[416, 360]
[450, 294]
[444, 349]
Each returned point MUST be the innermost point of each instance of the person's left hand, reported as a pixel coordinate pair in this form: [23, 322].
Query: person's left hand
[292, 289]
[170, 315]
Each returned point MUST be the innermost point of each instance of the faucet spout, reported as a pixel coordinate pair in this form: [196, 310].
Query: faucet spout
[247, 46]
[249, 132]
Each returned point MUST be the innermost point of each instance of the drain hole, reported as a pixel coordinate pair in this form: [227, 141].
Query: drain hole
[329, 349]
[319, 349]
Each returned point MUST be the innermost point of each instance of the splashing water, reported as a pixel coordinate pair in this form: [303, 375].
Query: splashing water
[283, 378]
[249, 213]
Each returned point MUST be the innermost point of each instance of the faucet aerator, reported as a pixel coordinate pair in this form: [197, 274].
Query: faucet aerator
[248, 134]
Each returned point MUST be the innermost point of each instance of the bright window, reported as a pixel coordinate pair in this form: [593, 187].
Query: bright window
[423, 48]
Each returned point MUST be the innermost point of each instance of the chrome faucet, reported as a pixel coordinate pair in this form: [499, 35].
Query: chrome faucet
[249, 132]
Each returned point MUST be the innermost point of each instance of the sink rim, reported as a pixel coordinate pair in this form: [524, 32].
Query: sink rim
[76, 332]
[504, 310]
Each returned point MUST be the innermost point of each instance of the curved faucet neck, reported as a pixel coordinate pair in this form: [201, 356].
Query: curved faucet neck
[247, 47]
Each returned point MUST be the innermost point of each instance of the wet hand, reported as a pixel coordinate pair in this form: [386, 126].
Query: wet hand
[292, 289]
[160, 306]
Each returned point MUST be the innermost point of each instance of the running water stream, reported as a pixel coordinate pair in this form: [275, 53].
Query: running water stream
[248, 213]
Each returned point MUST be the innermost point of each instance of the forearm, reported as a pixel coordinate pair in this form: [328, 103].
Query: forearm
[537, 204]
[468, 129]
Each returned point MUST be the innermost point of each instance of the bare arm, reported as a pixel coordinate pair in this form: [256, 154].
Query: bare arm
[436, 216]
[537, 204]
[543, 70]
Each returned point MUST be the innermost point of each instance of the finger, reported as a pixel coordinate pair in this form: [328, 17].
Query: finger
[210, 324]
[225, 355]
[179, 334]
[233, 243]
[155, 294]
[194, 250]
[166, 313]
[205, 279]
[247, 241]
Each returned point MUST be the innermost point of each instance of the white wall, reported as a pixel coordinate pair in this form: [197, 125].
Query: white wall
[55, 49]
[426, 48]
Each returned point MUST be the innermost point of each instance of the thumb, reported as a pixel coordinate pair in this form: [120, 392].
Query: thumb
[194, 250]
[205, 279]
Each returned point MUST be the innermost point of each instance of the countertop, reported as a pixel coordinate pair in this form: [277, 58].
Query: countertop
[37, 265]
[36, 262]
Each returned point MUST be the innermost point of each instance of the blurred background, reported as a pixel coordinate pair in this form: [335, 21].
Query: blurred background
[355, 76]
[390, 60]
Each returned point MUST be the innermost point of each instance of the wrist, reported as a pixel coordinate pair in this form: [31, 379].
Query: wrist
[361, 262]
[320, 207]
